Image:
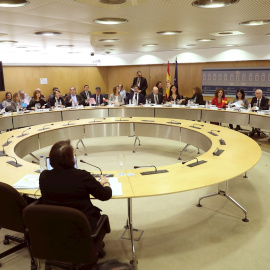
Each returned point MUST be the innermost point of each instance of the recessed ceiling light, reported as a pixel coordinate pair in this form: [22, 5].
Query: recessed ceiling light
[225, 33]
[8, 41]
[108, 40]
[107, 52]
[13, 3]
[150, 45]
[168, 33]
[64, 46]
[229, 45]
[191, 45]
[108, 45]
[109, 33]
[48, 33]
[205, 39]
[255, 22]
[213, 3]
[110, 20]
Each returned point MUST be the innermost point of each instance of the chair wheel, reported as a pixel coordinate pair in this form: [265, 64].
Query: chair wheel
[6, 242]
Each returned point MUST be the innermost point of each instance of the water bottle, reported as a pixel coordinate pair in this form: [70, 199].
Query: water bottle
[188, 103]
[17, 109]
[56, 104]
[42, 164]
[229, 105]
[249, 107]
[73, 104]
[129, 101]
[206, 104]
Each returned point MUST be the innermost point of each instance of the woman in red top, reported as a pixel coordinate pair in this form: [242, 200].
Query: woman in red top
[219, 100]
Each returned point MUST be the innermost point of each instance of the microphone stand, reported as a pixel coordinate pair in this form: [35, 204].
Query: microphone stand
[156, 171]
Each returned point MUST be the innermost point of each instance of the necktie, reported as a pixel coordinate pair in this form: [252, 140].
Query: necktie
[136, 96]
[98, 101]
[87, 94]
[258, 103]
[156, 99]
[138, 82]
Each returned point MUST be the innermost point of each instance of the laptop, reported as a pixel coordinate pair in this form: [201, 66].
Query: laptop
[49, 167]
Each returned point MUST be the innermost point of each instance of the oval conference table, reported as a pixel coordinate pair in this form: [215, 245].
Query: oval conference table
[223, 148]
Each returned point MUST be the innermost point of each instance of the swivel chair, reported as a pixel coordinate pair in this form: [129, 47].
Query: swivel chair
[11, 211]
[63, 237]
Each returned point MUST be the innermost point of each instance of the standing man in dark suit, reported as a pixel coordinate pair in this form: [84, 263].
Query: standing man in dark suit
[73, 99]
[136, 97]
[99, 98]
[259, 102]
[155, 96]
[86, 94]
[141, 82]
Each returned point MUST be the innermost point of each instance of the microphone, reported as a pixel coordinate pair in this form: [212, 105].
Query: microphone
[13, 163]
[174, 122]
[218, 152]
[70, 122]
[103, 118]
[45, 126]
[148, 121]
[151, 172]
[3, 153]
[222, 142]
[196, 125]
[23, 134]
[212, 133]
[194, 164]
[91, 165]
[124, 119]
[8, 142]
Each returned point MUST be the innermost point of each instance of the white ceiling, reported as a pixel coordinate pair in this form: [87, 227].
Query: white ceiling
[145, 17]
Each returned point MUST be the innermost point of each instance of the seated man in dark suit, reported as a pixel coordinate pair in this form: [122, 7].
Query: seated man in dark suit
[72, 99]
[99, 98]
[86, 94]
[56, 100]
[155, 96]
[141, 82]
[136, 97]
[259, 102]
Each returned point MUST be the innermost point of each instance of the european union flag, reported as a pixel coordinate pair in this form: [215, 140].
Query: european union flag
[176, 75]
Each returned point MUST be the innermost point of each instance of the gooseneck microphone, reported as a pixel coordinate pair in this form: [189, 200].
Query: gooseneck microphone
[44, 128]
[194, 164]
[8, 142]
[70, 122]
[13, 163]
[124, 118]
[23, 133]
[94, 121]
[3, 153]
[174, 122]
[91, 165]
[156, 171]
[197, 126]
[218, 152]
[212, 133]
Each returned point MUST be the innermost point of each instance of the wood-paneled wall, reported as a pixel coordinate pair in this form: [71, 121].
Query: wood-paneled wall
[189, 75]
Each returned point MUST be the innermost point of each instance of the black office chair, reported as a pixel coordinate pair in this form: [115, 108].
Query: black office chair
[62, 236]
[11, 210]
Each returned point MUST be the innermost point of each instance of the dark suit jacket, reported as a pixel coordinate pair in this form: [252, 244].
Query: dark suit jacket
[71, 188]
[160, 98]
[51, 102]
[141, 97]
[102, 99]
[264, 103]
[83, 95]
[143, 84]
[199, 99]
[80, 100]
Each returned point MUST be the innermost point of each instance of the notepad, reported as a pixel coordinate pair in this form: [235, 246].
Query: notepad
[29, 181]
[115, 186]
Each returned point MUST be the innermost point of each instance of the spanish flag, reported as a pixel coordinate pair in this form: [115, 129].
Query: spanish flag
[168, 81]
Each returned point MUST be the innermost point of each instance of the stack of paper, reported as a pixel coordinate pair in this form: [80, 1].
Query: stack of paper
[115, 186]
[29, 181]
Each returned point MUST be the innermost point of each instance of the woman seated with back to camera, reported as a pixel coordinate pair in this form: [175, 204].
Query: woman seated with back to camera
[36, 101]
[56, 100]
[240, 97]
[174, 96]
[67, 186]
[116, 98]
[220, 100]
[197, 97]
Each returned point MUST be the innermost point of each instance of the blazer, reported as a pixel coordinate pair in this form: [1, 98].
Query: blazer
[33, 102]
[71, 188]
[141, 97]
[80, 100]
[263, 105]
[220, 105]
[152, 97]
[120, 98]
[83, 94]
[143, 84]
[245, 101]
[198, 99]
[51, 102]
[102, 99]
[169, 98]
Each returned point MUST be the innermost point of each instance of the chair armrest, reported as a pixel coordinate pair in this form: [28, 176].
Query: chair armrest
[38, 201]
[103, 223]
